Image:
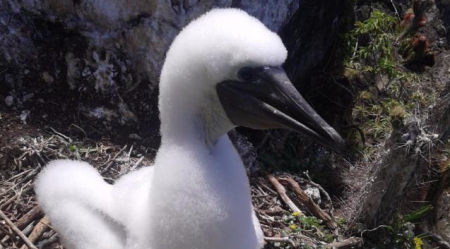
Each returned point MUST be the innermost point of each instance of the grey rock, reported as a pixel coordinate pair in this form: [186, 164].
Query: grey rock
[135, 136]
[27, 97]
[102, 59]
[9, 101]
[443, 215]
[24, 115]
[313, 193]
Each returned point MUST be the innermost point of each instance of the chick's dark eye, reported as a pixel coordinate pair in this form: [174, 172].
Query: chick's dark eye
[246, 73]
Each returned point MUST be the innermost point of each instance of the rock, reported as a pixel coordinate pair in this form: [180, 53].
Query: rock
[126, 115]
[443, 215]
[135, 136]
[142, 32]
[47, 77]
[311, 32]
[104, 73]
[9, 101]
[27, 97]
[313, 193]
[381, 82]
[274, 14]
[24, 116]
[109, 54]
[73, 70]
[102, 113]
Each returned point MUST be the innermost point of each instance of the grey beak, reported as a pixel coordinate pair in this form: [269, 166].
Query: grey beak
[267, 100]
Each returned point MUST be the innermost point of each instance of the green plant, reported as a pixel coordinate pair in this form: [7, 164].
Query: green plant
[379, 29]
[72, 148]
[308, 222]
[402, 229]
[400, 233]
[377, 54]
[297, 222]
[417, 214]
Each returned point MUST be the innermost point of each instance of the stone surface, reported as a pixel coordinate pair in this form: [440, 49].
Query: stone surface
[443, 215]
[9, 101]
[444, 13]
[311, 33]
[313, 193]
[100, 59]
[96, 63]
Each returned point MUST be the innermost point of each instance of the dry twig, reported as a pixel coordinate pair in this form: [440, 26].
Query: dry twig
[351, 242]
[282, 192]
[308, 202]
[29, 217]
[17, 231]
[6, 203]
[45, 243]
[38, 230]
[286, 240]
[111, 161]
[26, 178]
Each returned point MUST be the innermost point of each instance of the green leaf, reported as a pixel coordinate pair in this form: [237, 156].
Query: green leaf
[72, 148]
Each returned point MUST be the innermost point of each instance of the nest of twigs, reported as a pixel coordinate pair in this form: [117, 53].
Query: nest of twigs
[290, 213]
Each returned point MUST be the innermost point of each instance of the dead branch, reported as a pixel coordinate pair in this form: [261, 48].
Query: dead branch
[38, 230]
[110, 162]
[282, 192]
[137, 163]
[275, 211]
[6, 203]
[267, 188]
[27, 230]
[26, 178]
[29, 217]
[348, 243]
[47, 242]
[17, 176]
[308, 202]
[286, 240]
[17, 231]
[68, 139]
[7, 232]
[322, 191]
[305, 239]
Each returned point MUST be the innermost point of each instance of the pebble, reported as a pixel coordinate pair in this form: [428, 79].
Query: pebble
[314, 193]
[9, 101]
[47, 77]
[24, 116]
[135, 136]
[27, 97]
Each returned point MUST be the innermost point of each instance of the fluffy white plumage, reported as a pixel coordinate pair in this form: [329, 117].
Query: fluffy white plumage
[197, 193]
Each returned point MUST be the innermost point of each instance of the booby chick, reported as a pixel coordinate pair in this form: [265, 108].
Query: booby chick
[223, 70]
